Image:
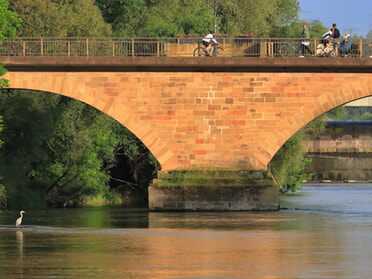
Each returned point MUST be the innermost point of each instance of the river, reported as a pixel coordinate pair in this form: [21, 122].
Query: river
[323, 231]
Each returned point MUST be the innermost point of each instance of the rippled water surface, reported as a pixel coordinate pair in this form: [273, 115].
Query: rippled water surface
[323, 231]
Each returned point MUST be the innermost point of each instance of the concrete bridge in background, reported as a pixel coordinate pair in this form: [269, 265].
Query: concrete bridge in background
[202, 112]
[342, 152]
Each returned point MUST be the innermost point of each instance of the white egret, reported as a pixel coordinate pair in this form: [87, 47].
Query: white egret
[19, 220]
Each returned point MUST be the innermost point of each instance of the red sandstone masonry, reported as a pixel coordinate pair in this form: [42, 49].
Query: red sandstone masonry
[206, 119]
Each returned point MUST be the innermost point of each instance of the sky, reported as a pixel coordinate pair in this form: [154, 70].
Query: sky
[353, 16]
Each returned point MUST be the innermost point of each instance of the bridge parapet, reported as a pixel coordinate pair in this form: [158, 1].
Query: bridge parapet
[171, 47]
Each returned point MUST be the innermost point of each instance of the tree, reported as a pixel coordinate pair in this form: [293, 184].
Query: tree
[9, 22]
[265, 18]
[169, 17]
[369, 34]
[60, 18]
[316, 29]
[125, 16]
[289, 162]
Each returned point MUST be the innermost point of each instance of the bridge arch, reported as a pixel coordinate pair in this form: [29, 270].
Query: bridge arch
[205, 118]
[333, 91]
[75, 88]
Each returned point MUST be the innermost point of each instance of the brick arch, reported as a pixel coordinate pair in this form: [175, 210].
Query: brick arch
[338, 89]
[75, 86]
[221, 119]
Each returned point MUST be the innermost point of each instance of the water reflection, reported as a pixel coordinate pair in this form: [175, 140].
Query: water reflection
[19, 241]
[19, 238]
[324, 233]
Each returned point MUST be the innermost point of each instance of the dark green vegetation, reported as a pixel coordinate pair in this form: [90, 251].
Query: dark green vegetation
[204, 176]
[264, 18]
[62, 151]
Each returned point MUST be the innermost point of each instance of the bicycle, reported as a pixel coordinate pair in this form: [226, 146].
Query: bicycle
[328, 50]
[215, 51]
[290, 50]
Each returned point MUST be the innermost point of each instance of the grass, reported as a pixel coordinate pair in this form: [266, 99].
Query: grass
[211, 177]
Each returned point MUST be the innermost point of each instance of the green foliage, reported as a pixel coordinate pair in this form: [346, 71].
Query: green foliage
[57, 18]
[169, 17]
[125, 16]
[25, 198]
[317, 126]
[3, 197]
[366, 116]
[337, 113]
[9, 21]
[212, 177]
[353, 113]
[294, 29]
[289, 162]
[66, 149]
[3, 82]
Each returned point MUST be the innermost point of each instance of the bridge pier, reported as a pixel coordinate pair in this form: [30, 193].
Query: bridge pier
[213, 190]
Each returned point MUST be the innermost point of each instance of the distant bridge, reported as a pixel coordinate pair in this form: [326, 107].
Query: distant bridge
[342, 152]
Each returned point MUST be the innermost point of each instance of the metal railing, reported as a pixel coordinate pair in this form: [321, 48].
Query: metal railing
[177, 47]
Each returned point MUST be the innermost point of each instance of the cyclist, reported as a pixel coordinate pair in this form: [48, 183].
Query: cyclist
[326, 37]
[208, 40]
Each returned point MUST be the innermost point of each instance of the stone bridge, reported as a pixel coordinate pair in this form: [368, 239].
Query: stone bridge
[231, 112]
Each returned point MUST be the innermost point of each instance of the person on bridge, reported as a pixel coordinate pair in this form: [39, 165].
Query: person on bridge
[305, 43]
[326, 37]
[345, 45]
[335, 31]
[208, 40]
[335, 35]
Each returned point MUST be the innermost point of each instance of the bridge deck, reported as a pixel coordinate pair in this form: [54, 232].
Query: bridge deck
[186, 64]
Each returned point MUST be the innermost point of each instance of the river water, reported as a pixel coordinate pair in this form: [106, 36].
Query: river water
[323, 231]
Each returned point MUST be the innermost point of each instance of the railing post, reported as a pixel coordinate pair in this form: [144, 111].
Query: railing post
[263, 48]
[68, 48]
[270, 48]
[24, 48]
[113, 48]
[158, 48]
[41, 47]
[314, 48]
[132, 46]
[87, 47]
[361, 48]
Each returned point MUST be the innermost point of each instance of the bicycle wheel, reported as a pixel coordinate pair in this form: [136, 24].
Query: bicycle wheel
[219, 51]
[287, 51]
[199, 52]
[333, 53]
[319, 50]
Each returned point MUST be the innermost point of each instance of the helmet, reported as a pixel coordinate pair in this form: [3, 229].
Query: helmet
[212, 32]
